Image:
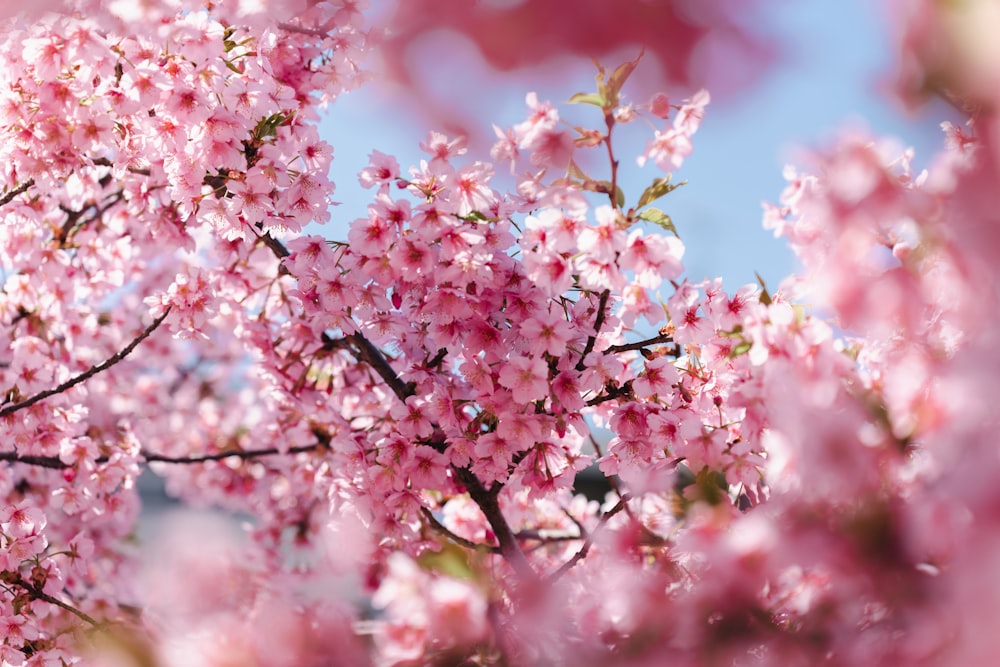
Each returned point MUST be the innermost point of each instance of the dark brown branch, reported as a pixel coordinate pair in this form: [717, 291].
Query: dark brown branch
[89, 373]
[53, 462]
[589, 542]
[457, 539]
[275, 246]
[19, 190]
[546, 536]
[150, 457]
[39, 594]
[598, 323]
[613, 392]
[366, 351]
[73, 220]
[638, 345]
[105, 162]
[490, 506]
[242, 454]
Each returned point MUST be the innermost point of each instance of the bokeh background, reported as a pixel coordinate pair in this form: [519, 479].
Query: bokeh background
[831, 70]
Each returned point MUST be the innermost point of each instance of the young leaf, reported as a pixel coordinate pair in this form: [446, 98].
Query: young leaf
[588, 98]
[605, 187]
[452, 560]
[618, 78]
[740, 349]
[660, 219]
[575, 171]
[765, 298]
[658, 188]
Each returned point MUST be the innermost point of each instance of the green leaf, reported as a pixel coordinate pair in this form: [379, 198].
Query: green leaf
[660, 219]
[618, 79]
[452, 560]
[576, 172]
[619, 197]
[602, 86]
[588, 98]
[765, 298]
[476, 216]
[740, 349]
[658, 188]
[268, 126]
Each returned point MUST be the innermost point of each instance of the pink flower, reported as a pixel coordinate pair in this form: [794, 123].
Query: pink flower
[526, 377]
[652, 257]
[550, 271]
[548, 332]
[382, 171]
[603, 242]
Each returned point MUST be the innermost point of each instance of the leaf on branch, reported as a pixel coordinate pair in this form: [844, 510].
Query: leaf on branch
[604, 187]
[660, 219]
[740, 349]
[620, 76]
[765, 297]
[588, 98]
[658, 188]
[268, 126]
[476, 217]
[452, 561]
[610, 89]
[575, 172]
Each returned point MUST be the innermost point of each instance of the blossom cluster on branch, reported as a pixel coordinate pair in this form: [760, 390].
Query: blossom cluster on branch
[799, 476]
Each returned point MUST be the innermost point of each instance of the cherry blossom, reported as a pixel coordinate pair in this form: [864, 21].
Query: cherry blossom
[801, 474]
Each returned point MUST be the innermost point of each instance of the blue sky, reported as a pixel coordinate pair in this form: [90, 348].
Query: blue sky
[838, 53]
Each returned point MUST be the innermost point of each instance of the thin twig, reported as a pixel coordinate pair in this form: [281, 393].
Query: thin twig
[638, 345]
[366, 351]
[609, 121]
[219, 456]
[489, 505]
[585, 549]
[56, 463]
[39, 594]
[602, 305]
[546, 536]
[89, 373]
[611, 393]
[21, 189]
[457, 539]
[105, 162]
[53, 462]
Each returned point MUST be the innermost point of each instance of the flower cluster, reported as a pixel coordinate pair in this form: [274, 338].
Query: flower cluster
[403, 416]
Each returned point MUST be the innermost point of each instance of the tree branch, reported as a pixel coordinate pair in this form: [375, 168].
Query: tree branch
[598, 323]
[489, 505]
[366, 351]
[612, 392]
[39, 594]
[638, 345]
[457, 539]
[90, 372]
[19, 190]
[56, 463]
[105, 162]
[589, 542]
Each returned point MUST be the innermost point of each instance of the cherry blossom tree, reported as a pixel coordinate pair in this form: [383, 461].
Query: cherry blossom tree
[803, 475]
